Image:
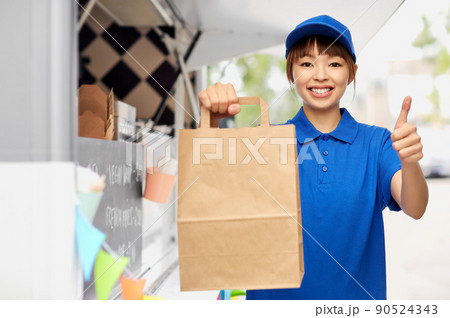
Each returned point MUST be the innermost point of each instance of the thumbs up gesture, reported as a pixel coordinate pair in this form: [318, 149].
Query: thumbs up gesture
[405, 139]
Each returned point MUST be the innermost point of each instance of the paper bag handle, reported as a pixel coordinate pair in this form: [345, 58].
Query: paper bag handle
[252, 100]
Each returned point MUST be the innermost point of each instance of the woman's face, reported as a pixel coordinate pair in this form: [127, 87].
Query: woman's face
[320, 80]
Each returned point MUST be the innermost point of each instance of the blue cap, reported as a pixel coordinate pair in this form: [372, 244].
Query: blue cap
[322, 25]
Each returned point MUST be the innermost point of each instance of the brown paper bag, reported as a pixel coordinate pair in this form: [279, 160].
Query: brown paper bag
[239, 206]
[95, 113]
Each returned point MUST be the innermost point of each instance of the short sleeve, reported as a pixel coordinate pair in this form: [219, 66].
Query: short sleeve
[389, 164]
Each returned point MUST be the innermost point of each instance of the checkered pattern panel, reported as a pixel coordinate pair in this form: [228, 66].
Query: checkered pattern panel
[131, 60]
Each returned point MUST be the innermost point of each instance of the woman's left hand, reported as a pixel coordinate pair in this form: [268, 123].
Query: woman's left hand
[405, 139]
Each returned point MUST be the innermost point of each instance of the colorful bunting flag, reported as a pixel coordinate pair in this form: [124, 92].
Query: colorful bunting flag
[106, 273]
[89, 203]
[225, 294]
[89, 240]
[132, 289]
[237, 292]
[146, 297]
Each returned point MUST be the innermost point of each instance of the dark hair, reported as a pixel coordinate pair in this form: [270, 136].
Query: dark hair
[305, 46]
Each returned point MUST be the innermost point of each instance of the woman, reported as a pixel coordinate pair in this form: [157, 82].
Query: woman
[356, 170]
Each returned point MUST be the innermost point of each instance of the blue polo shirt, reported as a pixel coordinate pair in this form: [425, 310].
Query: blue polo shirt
[345, 179]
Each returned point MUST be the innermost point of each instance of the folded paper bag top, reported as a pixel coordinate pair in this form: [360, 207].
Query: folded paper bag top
[237, 227]
[95, 113]
[91, 97]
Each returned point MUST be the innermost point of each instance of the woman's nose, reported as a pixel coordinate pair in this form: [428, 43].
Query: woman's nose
[320, 73]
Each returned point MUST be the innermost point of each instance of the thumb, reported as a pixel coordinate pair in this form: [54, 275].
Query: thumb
[234, 109]
[403, 117]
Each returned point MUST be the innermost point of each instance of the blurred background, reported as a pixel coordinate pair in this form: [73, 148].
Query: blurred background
[410, 55]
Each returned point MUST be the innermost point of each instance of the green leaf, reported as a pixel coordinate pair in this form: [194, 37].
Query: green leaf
[425, 37]
[442, 62]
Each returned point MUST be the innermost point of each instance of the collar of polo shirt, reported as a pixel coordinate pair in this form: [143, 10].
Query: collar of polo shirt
[345, 131]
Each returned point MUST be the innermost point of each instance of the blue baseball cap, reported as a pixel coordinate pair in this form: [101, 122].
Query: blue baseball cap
[322, 25]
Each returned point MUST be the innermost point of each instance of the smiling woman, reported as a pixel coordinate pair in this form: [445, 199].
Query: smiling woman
[363, 169]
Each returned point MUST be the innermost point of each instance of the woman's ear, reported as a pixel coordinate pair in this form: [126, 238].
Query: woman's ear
[352, 78]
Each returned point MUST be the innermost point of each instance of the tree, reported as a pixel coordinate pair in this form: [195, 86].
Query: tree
[435, 53]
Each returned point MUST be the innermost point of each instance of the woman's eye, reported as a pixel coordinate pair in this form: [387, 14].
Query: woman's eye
[306, 64]
[335, 64]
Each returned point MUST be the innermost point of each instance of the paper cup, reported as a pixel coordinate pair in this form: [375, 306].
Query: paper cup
[89, 202]
[158, 186]
[132, 289]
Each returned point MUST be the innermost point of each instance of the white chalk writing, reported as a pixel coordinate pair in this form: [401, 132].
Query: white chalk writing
[118, 218]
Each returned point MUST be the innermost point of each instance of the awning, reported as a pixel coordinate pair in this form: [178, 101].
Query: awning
[233, 28]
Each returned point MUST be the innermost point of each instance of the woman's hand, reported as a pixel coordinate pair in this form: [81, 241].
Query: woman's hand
[405, 139]
[221, 100]
[408, 185]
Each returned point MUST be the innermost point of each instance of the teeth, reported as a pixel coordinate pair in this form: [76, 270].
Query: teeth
[320, 90]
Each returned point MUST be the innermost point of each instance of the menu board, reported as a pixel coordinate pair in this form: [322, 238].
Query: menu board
[119, 214]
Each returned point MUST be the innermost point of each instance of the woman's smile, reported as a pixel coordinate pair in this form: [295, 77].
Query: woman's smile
[320, 91]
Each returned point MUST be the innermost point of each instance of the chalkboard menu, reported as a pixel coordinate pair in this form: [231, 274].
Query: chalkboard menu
[119, 214]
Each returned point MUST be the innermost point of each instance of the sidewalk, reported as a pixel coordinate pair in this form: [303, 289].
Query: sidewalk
[418, 251]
